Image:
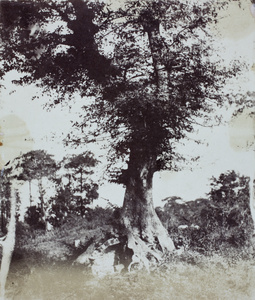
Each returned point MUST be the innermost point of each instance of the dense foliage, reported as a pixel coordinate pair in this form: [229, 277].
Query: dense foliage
[5, 192]
[75, 187]
[214, 224]
[148, 65]
[69, 181]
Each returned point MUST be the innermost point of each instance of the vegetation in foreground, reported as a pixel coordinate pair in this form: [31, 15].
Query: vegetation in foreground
[213, 278]
[214, 260]
[42, 269]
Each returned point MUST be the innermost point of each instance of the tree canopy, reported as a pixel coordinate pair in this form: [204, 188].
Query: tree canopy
[35, 165]
[148, 64]
[230, 189]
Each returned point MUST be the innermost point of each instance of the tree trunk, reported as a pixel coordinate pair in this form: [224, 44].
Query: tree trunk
[143, 239]
[146, 235]
[44, 207]
[2, 217]
[157, 49]
[30, 193]
[8, 245]
[252, 194]
[81, 182]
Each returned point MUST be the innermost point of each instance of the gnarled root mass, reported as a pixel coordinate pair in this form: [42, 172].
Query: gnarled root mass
[131, 250]
[149, 245]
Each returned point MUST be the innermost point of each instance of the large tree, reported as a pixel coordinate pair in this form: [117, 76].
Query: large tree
[151, 70]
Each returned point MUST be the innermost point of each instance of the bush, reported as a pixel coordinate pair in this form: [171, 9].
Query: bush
[214, 224]
[33, 217]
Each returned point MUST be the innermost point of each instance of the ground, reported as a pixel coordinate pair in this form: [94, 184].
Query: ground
[42, 268]
[210, 279]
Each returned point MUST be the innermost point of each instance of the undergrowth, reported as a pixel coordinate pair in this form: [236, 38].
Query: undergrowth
[211, 278]
[42, 269]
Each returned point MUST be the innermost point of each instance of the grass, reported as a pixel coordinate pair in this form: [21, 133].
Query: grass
[42, 270]
[212, 279]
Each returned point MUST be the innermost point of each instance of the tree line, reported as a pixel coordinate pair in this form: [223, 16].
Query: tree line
[70, 181]
[223, 219]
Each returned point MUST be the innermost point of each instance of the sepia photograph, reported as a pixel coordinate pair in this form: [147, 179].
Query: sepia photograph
[127, 149]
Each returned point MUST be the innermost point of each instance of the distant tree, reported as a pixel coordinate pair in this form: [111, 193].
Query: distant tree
[78, 190]
[60, 205]
[230, 194]
[84, 190]
[36, 165]
[5, 194]
[230, 189]
[33, 217]
[225, 219]
[222, 221]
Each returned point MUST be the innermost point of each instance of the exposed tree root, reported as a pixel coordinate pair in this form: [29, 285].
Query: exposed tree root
[148, 251]
[141, 253]
[126, 253]
[149, 242]
[132, 249]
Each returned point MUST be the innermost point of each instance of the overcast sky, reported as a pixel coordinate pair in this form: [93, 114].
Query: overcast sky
[25, 125]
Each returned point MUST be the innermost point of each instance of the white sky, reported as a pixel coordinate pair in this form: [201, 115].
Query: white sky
[21, 119]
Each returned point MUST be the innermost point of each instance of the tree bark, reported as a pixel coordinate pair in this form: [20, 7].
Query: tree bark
[2, 217]
[81, 182]
[30, 193]
[157, 50]
[8, 245]
[145, 233]
[252, 193]
[44, 207]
